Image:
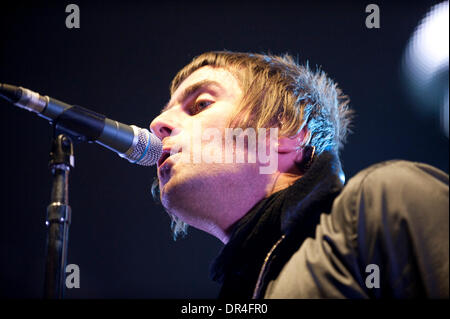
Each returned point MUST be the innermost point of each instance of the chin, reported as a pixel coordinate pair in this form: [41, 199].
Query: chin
[177, 194]
[189, 196]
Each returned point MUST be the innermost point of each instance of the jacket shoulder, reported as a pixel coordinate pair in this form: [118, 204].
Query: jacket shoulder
[399, 221]
[386, 194]
[394, 215]
[395, 174]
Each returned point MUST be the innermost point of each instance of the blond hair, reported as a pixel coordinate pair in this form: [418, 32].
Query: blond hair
[278, 92]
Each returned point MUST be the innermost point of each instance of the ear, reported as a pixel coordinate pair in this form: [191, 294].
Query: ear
[292, 144]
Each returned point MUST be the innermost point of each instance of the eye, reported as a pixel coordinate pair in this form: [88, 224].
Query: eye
[200, 105]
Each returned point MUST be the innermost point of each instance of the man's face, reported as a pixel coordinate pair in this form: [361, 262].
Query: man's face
[208, 196]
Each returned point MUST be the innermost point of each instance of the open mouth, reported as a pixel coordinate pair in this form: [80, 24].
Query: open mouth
[165, 155]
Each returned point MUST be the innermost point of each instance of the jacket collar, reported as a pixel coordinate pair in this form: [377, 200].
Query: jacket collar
[321, 182]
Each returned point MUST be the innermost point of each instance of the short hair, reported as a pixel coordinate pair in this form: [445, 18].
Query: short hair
[277, 92]
[280, 92]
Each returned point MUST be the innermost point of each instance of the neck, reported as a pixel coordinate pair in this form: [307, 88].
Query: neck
[241, 206]
[282, 181]
[279, 182]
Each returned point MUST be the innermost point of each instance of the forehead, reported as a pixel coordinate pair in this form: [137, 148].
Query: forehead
[229, 85]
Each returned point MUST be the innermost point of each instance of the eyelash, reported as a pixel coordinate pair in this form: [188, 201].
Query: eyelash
[195, 109]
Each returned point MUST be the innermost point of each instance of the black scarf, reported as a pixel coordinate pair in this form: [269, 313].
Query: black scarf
[294, 212]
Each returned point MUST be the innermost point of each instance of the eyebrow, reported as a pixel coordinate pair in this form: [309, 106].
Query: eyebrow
[193, 89]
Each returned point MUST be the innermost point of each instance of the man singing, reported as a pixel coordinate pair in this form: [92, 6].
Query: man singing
[251, 156]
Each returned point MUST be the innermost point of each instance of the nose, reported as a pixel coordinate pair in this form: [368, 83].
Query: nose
[161, 126]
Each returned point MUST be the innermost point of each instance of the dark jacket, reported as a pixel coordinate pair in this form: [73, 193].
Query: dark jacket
[385, 234]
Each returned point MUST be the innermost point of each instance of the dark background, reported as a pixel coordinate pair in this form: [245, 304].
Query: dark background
[120, 63]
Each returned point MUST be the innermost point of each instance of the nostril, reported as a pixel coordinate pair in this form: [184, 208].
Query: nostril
[160, 129]
[165, 131]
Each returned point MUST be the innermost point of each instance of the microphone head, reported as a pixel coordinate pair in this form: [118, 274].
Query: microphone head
[146, 149]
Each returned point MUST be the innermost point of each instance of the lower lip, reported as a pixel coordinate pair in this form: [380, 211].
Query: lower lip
[164, 163]
[165, 166]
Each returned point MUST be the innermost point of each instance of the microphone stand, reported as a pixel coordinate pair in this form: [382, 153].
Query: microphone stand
[58, 215]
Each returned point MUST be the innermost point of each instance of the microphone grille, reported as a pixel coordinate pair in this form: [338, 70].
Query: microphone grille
[146, 150]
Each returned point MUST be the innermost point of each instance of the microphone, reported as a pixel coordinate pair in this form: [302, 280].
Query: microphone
[133, 143]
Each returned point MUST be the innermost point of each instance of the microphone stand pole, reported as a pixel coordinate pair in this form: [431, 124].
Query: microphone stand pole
[58, 216]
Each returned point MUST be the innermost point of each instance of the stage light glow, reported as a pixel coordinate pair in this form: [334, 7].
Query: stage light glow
[426, 63]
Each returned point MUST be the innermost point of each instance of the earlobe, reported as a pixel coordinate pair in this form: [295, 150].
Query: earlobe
[288, 144]
[293, 143]
[292, 151]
